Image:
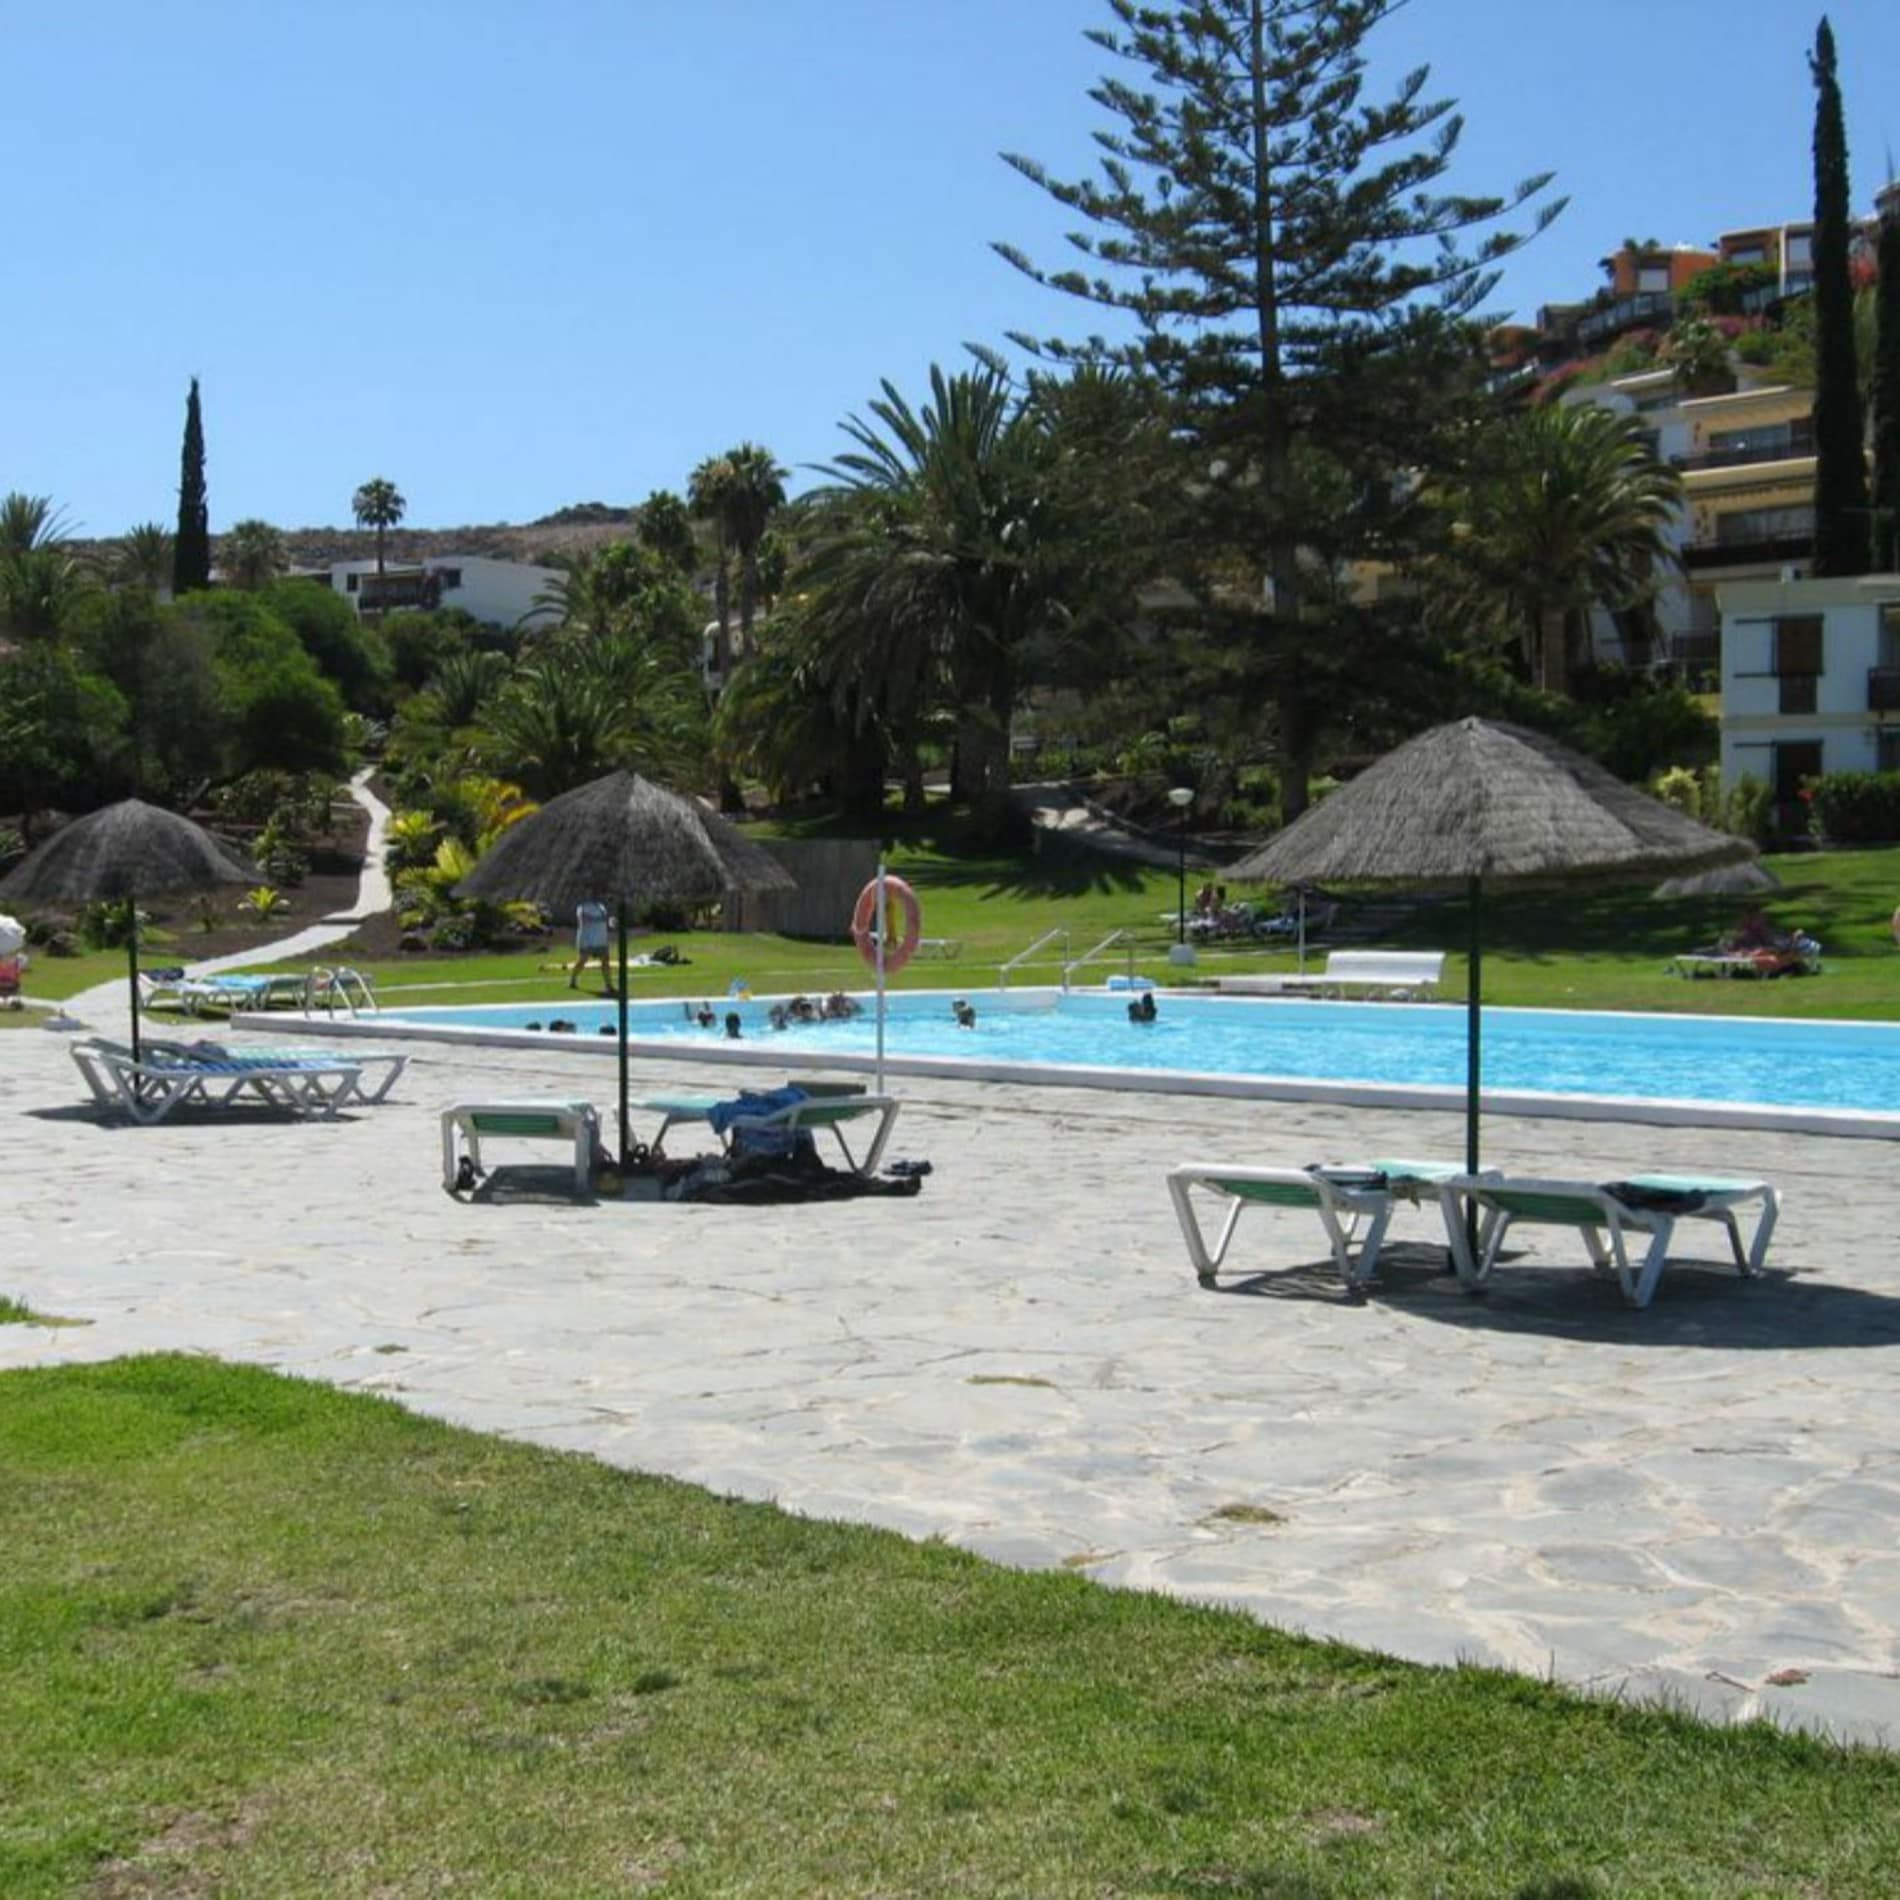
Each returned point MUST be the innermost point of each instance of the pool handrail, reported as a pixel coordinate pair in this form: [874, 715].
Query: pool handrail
[1023, 956]
[1108, 943]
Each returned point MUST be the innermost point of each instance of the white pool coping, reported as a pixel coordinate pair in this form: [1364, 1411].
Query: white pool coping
[1663, 1111]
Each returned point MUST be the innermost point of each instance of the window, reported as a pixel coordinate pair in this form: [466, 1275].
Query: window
[1800, 252]
[351, 582]
[1748, 254]
[1887, 749]
[1650, 277]
[1798, 647]
[448, 577]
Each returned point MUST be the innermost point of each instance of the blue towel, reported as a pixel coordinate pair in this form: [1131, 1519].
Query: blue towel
[751, 1105]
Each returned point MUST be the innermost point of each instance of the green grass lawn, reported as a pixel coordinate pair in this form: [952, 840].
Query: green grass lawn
[1593, 947]
[261, 1638]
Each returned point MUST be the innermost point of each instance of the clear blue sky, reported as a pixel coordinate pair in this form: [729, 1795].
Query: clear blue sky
[514, 256]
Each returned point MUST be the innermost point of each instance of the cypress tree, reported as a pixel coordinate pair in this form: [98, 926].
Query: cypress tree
[1886, 393]
[191, 550]
[1840, 464]
[1303, 297]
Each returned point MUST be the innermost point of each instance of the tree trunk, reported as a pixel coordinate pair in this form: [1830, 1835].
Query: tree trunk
[1294, 713]
[1553, 655]
[914, 796]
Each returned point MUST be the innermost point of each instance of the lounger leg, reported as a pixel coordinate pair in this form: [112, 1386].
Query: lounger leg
[1342, 1245]
[1653, 1263]
[886, 1122]
[448, 1154]
[1370, 1245]
[1205, 1264]
[1764, 1232]
[1497, 1223]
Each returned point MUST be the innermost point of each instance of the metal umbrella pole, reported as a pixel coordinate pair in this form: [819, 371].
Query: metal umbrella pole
[132, 965]
[622, 922]
[878, 937]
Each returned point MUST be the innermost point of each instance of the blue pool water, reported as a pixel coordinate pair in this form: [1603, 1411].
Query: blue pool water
[1825, 1065]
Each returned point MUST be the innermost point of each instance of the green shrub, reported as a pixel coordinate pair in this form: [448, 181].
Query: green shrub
[12, 847]
[1749, 809]
[106, 925]
[1855, 807]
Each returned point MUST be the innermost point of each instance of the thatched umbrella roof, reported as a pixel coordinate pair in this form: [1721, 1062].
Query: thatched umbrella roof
[1475, 799]
[623, 835]
[1485, 804]
[128, 849]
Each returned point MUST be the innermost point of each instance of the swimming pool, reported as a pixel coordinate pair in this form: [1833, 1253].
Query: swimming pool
[1535, 1061]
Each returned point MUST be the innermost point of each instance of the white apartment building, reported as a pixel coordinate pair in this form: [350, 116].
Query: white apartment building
[504, 593]
[1810, 681]
[1747, 466]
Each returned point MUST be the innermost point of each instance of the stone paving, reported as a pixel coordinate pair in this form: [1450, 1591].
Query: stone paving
[1700, 1502]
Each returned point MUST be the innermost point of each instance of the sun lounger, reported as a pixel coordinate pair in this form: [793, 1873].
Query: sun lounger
[465, 1124]
[1606, 1215]
[237, 990]
[1395, 974]
[1341, 1196]
[150, 1089]
[831, 1112]
[369, 1090]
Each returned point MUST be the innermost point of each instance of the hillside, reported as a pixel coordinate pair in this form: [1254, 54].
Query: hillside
[563, 533]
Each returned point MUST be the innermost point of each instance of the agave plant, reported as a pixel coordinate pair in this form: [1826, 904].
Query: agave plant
[410, 840]
[261, 903]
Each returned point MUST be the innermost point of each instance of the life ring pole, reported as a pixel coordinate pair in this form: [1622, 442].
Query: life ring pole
[883, 926]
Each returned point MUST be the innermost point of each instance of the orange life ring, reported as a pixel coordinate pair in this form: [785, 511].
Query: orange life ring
[903, 924]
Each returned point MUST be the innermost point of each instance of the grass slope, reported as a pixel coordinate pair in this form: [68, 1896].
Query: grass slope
[258, 1637]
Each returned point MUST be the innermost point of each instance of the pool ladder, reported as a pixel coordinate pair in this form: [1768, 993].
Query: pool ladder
[1108, 943]
[1022, 956]
[329, 990]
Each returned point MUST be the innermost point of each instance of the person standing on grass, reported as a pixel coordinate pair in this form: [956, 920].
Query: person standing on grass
[591, 925]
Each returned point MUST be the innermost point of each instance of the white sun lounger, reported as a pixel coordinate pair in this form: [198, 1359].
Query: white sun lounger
[573, 1123]
[1606, 1220]
[1342, 1197]
[389, 1062]
[149, 1090]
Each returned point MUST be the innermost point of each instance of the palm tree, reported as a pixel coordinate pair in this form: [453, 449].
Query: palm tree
[739, 492]
[378, 504]
[666, 527]
[28, 522]
[953, 555]
[578, 711]
[252, 555]
[39, 574]
[1564, 510]
[145, 557]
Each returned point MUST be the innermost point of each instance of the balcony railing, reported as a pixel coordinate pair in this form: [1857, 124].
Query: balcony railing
[1789, 450]
[1777, 550]
[1883, 689]
[1647, 306]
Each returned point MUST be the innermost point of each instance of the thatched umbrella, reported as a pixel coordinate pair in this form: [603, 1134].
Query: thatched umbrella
[1486, 804]
[1747, 879]
[124, 852]
[620, 836]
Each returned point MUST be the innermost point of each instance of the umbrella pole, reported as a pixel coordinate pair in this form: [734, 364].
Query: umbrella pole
[1474, 1012]
[1302, 930]
[132, 966]
[878, 939]
[622, 921]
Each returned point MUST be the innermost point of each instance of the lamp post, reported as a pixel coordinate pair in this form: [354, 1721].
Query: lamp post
[1181, 797]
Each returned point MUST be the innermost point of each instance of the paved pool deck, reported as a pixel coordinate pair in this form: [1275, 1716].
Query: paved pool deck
[1700, 1502]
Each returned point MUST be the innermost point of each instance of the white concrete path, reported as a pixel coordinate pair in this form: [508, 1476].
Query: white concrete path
[1701, 1501]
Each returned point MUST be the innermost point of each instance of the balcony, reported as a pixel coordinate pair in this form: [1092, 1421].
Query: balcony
[1627, 313]
[1769, 551]
[1883, 689]
[1793, 448]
